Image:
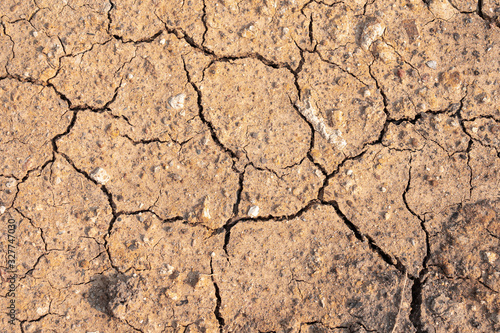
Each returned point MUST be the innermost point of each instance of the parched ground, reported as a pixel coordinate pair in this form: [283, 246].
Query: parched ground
[251, 166]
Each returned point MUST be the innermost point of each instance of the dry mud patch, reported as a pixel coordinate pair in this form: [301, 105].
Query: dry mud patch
[252, 166]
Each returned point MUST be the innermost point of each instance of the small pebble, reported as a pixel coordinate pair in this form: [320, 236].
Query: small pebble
[100, 175]
[177, 101]
[253, 211]
[492, 257]
[10, 183]
[431, 64]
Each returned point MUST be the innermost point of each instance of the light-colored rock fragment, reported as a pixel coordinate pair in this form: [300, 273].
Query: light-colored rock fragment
[431, 64]
[333, 136]
[253, 211]
[372, 30]
[100, 175]
[442, 9]
[177, 101]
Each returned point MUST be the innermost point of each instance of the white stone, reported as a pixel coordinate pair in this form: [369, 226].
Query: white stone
[177, 101]
[492, 257]
[2, 209]
[431, 64]
[332, 135]
[371, 32]
[100, 175]
[253, 211]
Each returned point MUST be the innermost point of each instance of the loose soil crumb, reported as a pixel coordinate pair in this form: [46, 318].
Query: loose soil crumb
[253, 166]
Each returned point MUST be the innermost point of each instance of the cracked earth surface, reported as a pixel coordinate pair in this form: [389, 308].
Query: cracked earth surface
[252, 166]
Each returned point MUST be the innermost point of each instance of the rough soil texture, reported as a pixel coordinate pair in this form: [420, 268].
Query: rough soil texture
[253, 166]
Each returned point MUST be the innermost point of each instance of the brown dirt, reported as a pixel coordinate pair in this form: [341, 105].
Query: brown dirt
[252, 166]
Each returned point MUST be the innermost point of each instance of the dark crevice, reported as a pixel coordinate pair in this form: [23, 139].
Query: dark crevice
[202, 116]
[179, 33]
[26, 176]
[311, 32]
[346, 221]
[469, 147]
[42, 236]
[238, 194]
[416, 302]
[230, 224]
[386, 257]
[149, 141]
[204, 20]
[341, 68]
[108, 30]
[479, 9]
[337, 170]
[111, 202]
[227, 237]
[37, 319]
[396, 263]
[68, 129]
[311, 158]
[138, 41]
[416, 306]
[278, 218]
[217, 312]
[491, 20]
[385, 100]
[295, 73]
[29, 271]
[313, 131]
[458, 114]
[132, 327]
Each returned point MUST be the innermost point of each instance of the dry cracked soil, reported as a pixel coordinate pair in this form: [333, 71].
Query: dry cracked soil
[250, 166]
